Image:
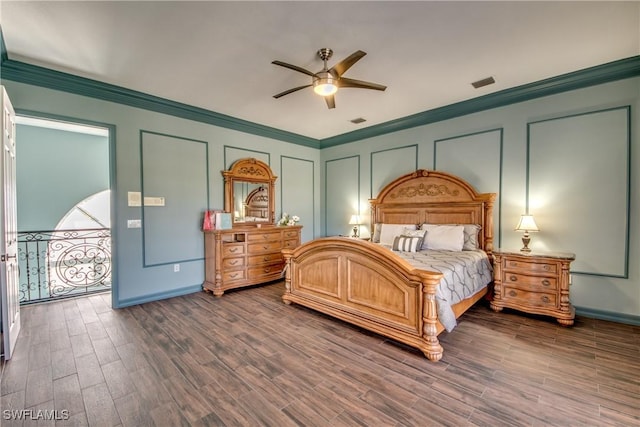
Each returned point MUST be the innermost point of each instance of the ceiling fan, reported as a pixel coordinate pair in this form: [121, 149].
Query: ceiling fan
[327, 81]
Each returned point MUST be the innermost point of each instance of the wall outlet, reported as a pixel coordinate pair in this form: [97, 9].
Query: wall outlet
[176, 268]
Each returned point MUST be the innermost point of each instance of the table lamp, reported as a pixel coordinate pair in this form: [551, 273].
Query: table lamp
[355, 221]
[526, 224]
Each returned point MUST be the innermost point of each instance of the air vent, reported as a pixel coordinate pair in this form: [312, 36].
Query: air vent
[483, 82]
[358, 121]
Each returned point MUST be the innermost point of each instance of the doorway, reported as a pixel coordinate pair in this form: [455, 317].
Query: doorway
[64, 201]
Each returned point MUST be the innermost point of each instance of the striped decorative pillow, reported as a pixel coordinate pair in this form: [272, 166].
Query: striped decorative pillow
[407, 243]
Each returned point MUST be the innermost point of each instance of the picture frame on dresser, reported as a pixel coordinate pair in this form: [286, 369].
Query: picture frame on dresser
[248, 251]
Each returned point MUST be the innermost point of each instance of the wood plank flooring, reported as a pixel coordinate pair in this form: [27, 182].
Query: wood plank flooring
[247, 359]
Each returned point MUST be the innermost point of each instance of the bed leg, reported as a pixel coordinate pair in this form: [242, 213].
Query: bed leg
[431, 348]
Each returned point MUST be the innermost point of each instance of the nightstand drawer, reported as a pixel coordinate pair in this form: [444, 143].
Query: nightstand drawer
[530, 299]
[525, 281]
[289, 234]
[534, 267]
[290, 244]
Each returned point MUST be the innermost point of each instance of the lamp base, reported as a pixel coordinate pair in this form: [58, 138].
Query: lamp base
[355, 231]
[525, 241]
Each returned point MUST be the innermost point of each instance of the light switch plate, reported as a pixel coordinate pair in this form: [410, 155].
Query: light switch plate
[134, 223]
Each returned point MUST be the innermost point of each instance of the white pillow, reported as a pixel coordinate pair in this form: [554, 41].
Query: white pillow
[470, 232]
[388, 232]
[444, 237]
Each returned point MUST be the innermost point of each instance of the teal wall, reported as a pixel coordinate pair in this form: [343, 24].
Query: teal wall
[153, 153]
[56, 169]
[578, 140]
[571, 159]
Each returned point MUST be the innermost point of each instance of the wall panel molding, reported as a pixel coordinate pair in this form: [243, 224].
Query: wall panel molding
[560, 172]
[400, 160]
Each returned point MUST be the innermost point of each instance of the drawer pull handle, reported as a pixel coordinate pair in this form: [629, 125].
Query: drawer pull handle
[545, 299]
[266, 270]
[546, 282]
[233, 262]
[512, 293]
[546, 267]
[233, 249]
[266, 258]
[265, 247]
[233, 275]
[514, 278]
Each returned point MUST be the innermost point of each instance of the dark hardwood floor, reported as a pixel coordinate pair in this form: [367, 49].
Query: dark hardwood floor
[248, 359]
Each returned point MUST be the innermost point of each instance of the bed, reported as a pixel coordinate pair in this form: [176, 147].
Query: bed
[389, 292]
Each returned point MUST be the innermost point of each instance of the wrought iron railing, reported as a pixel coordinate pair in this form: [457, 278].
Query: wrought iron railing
[63, 263]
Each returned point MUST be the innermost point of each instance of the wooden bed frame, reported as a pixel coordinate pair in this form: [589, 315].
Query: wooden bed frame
[370, 286]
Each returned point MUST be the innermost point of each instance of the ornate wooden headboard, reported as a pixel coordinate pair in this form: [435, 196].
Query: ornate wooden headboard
[435, 197]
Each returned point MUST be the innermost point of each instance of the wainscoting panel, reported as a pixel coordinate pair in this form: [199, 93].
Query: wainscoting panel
[231, 154]
[477, 158]
[175, 169]
[342, 183]
[387, 165]
[577, 208]
[297, 192]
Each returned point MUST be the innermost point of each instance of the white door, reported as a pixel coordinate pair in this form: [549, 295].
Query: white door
[8, 230]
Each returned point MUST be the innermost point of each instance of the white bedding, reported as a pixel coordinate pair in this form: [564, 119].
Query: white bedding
[465, 273]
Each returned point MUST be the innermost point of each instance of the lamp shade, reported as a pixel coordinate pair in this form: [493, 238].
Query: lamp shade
[526, 224]
[355, 220]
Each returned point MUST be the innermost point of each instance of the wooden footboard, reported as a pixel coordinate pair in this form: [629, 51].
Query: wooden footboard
[368, 286]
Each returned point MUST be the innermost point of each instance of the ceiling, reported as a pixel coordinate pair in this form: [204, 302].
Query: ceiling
[217, 55]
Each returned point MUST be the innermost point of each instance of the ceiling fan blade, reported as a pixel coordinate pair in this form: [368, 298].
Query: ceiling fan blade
[341, 67]
[294, 68]
[331, 101]
[344, 82]
[287, 92]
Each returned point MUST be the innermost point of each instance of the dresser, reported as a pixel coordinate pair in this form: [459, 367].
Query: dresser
[246, 256]
[534, 282]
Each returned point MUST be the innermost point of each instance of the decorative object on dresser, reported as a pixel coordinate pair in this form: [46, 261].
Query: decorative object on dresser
[526, 224]
[373, 287]
[534, 282]
[355, 221]
[248, 253]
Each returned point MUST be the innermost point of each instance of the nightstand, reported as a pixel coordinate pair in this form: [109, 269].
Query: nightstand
[533, 282]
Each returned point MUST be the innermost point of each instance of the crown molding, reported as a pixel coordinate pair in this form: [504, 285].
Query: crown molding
[605, 73]
[44, 77]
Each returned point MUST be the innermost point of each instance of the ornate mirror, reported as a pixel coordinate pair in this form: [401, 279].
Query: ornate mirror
[249, 192]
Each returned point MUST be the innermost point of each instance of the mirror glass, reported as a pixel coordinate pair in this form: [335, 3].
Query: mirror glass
[250, 202]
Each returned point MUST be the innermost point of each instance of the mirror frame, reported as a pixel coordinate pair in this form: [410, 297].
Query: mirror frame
[253, 171]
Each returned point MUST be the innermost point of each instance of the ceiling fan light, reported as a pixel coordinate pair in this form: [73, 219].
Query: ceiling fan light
[325, 85]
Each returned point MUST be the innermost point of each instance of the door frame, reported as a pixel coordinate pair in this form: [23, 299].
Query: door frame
[111, 128]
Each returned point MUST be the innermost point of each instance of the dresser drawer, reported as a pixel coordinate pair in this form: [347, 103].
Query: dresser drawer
[231, 249]
[543, 283]
[256, 248]
[265, 258]
[290, 244]
[529, 298]
[264, 237]
[233, 263]
[265, 270]
[534, 267]
[290, 234]
[231, 275]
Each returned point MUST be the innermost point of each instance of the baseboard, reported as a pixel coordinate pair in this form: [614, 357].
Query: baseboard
[159, 296]
[608, 315]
